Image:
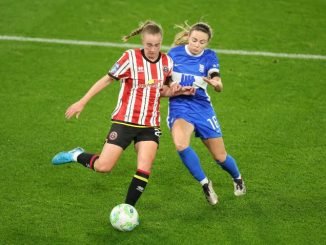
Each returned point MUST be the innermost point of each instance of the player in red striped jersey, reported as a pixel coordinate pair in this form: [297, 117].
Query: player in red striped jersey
[142, 73]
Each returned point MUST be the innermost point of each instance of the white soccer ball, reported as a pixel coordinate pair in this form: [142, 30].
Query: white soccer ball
[124, 217]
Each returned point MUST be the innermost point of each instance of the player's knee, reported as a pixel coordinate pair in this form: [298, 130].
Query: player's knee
[103, 166]
[220, 156]
[180, 146]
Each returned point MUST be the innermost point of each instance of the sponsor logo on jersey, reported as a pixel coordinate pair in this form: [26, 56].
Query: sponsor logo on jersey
[150, 82]
[187, 80]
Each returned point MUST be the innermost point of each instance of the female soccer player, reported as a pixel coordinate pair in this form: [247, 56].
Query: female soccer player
[136, 117]
[196, 66]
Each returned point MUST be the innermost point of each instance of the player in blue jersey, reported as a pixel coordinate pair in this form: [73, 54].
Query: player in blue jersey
[197, 66]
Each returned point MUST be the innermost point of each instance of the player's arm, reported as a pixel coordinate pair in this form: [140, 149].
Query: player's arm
[77, 107]
[215, 80]
[175, 90]
[166, 90]
[171, 89]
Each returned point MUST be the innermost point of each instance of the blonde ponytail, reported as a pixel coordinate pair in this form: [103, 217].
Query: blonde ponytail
[148, 26]
[181, 38]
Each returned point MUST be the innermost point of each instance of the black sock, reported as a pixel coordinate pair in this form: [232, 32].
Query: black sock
[137, 186]
[87, 160]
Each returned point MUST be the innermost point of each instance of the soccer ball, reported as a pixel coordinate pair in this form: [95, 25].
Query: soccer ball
[124, 217]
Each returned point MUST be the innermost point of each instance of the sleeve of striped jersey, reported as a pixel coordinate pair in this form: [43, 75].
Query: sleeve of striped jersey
[170, 66]
[168, 79]
[121, 69]
[213, 65]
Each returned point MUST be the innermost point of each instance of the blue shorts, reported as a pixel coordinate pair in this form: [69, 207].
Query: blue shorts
[205, 123]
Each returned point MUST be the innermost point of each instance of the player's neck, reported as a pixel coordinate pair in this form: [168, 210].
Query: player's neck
[190, 53]
[151, 59]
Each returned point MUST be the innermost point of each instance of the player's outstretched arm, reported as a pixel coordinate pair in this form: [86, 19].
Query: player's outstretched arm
[77, 107]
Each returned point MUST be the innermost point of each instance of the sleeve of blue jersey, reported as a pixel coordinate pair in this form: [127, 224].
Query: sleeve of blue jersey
[213, 61]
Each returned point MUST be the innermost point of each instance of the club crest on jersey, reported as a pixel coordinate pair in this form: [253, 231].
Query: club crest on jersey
[115, 68]
[201, 68]
[140, 69]
[165, 69]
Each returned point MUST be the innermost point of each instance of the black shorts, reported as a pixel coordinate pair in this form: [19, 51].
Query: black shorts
[123, 134]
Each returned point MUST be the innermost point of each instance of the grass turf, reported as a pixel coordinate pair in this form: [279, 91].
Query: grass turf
[272, 113]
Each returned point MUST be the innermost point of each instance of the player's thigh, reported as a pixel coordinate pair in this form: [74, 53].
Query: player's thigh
[146, 152]
[181, 133]
[121, 135]
[207, 125]
[216, 148]
[108, 158]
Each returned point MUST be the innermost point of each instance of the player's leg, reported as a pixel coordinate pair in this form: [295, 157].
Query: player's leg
[146, 151]
[108, 158]
[227, 163]
[146, 145]
[101, 163]
[181, 133]
[117, 140]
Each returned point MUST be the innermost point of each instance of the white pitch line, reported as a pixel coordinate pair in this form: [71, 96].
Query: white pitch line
[128, 45]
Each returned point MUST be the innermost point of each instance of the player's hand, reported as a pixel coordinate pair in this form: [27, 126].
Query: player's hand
[175, 88]
[215, 82]
[188, 90]
[182, 90]
[74, 109]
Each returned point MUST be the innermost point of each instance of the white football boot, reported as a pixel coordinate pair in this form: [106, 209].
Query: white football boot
[239, 187]
[210, 193]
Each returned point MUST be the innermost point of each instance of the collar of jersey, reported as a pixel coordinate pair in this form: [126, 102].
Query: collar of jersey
[143, 54]
[193, 55]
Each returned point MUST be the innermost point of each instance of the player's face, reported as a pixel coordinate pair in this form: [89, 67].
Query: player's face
[197, 42]
[152, 45]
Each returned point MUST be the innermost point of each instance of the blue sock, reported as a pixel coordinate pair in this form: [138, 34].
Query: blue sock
[230, 166]
[192, 162]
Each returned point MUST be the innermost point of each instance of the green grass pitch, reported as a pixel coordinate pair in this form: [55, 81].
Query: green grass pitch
[272, 112]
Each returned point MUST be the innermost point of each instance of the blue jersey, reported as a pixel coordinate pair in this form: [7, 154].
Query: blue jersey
[189, 70]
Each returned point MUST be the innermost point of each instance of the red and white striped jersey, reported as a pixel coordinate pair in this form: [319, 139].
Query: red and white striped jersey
[141, 81]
